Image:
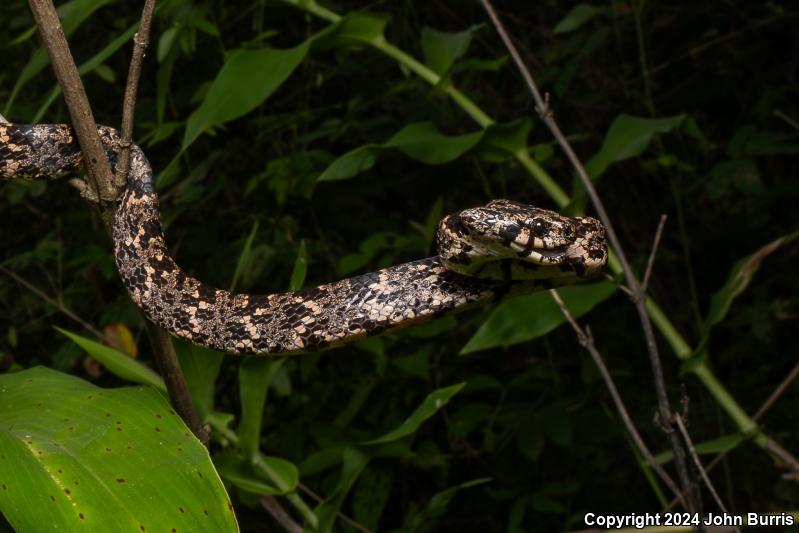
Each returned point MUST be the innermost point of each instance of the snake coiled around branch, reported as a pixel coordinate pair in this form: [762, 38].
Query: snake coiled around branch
[484, 253]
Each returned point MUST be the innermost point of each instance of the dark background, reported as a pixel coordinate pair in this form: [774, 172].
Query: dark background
[548, 436]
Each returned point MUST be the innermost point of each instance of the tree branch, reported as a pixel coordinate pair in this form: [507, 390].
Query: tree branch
[95, 160]
[102, 178]
[639, 298]
[586, 340]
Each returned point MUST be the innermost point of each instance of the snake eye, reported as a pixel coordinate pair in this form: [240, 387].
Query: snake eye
[538, 226]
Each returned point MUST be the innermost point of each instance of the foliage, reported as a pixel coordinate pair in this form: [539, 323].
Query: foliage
[294, 147]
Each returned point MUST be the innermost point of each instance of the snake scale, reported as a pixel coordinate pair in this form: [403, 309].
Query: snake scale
[484, 253]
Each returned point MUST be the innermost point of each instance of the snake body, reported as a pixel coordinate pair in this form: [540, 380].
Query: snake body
[484, 253]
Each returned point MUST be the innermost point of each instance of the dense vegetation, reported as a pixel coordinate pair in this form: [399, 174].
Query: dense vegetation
[532, 441]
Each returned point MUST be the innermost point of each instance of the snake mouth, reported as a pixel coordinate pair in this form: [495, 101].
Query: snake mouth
[555, 255]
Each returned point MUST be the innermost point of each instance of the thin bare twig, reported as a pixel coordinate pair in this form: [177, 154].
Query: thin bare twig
[280, 515]
[771, 445]
[692, 452]
[777, 392]
[163, 350]
[545, 112]
[140, 42]
[58, 305]
[651, 262]
[791, 122]
[586, 340]
[618, 285]
[102, 180]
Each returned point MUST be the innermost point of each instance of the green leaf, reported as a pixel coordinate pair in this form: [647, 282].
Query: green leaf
[72, 15]
[426, 519]
[721, 444]
[165, 43]
[244, 262]
[527, 317]
[300, 268]
[356, 28]
[423, 142]
[431, 404]
[441, 49]
[739, 279]
[353, 461]
[579, 15]
[117, 362]
[246, 79]
[255, 375]
[282, 477]
[501, 141]
[352, 163]
[88, 66]
[469, 418]
[78, 457]
[201, 367]
[628, 137]
[370, 496]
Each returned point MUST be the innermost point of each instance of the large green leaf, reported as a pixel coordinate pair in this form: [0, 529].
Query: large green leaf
[117, 362]
[527, 317]
[356, 28]
[246, 79]
[249, 77]
[628, 137]
[262, 475]
[255, 375]
[77, 457]
[441, 49]
[423, 142]
[201, 367]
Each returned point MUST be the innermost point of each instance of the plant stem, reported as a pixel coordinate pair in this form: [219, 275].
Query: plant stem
[293, 498]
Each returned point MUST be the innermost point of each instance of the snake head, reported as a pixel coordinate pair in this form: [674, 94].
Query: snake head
[509, 240]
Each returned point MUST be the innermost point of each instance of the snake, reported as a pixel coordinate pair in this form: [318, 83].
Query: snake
[484, 253]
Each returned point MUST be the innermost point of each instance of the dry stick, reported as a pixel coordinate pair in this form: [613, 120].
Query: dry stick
[651, 262]
[95, 160]
[101, 177]
[544, 111]
[586, 340]
[692, 452]
[140, 42]
[280, 515]
[779, 391]
[771, 445]
[61, 307]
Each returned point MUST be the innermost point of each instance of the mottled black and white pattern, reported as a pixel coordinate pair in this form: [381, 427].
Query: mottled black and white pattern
[486, 251]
